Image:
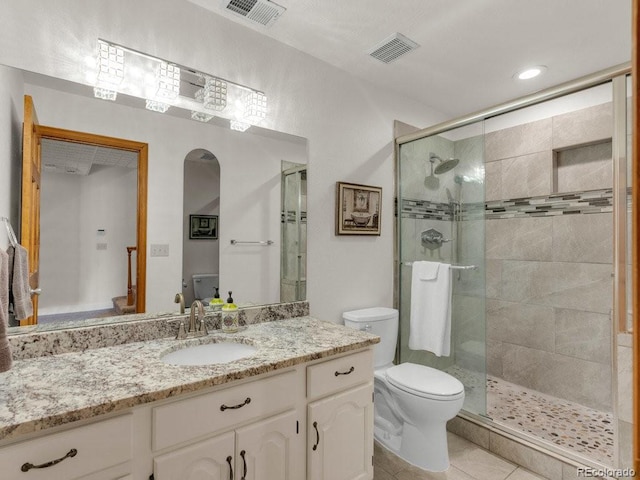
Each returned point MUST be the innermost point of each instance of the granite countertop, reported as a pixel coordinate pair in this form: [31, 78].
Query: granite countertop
[43, 392]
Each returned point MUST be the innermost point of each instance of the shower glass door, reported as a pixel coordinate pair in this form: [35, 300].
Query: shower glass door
[293, 257]
[441, 191]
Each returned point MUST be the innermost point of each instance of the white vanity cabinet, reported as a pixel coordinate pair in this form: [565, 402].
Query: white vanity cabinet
[98, 451]
[263, 438]
[340, 422]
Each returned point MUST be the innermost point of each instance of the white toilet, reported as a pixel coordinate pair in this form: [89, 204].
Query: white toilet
[204, 285]
[412, 402]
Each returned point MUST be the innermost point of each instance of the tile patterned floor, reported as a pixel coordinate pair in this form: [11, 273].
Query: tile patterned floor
[569, 425]
[468, 462]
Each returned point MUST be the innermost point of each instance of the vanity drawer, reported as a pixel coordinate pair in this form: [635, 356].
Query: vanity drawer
[189, 419]
[339, 374]
[99, 445]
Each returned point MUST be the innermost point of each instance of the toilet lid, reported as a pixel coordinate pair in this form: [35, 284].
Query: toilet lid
[425, 381]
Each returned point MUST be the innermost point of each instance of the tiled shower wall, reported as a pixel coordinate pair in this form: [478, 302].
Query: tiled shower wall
[549, 255]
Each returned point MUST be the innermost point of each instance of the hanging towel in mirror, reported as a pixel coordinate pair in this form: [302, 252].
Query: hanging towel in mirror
[19, 288]
[430, 321]
[5, 350]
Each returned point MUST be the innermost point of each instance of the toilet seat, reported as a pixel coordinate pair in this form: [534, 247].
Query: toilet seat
[425, 382]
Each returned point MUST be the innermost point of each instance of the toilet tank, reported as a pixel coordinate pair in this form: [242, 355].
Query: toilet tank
[204, 285]
[380, 321]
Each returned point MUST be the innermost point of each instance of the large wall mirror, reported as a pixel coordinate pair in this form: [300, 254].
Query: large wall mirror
[249, 212]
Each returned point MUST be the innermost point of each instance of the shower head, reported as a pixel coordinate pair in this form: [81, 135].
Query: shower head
[444, 165]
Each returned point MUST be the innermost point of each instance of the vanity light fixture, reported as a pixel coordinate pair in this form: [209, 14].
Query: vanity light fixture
[156, 106]
[105, 93]
[239, 126]
[168, 79]
[200, 117]
[530, 72]
[164, 84]
[110, 63]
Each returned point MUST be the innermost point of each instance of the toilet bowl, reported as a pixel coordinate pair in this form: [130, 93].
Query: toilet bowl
[412, 402]
[204, 285]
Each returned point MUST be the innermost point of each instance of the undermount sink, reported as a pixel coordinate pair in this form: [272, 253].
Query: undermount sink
[209, 354]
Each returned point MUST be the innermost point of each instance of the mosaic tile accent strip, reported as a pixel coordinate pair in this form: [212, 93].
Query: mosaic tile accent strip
[579, 429]
[594, 201]
[425, 209]
[289, 216]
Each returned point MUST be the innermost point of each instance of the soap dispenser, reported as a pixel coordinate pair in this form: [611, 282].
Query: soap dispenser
[216, 302]
[229, 316]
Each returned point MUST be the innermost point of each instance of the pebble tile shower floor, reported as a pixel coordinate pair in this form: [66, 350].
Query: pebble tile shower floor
[569, 425]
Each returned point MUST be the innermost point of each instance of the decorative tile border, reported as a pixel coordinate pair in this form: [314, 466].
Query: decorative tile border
[289, 216]
[592, 201]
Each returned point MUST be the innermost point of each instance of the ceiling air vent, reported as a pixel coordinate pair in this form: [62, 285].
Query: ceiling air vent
[263, 12]
[392, 48]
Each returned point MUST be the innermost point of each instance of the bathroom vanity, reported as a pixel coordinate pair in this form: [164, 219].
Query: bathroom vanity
[300, 407]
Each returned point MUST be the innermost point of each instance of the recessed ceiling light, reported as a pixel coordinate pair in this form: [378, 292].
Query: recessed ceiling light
[530, 72]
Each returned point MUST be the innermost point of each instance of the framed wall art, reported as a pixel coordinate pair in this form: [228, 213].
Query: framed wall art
[203, 227]
[357, 209]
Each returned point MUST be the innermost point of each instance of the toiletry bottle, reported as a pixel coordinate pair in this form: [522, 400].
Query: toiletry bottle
[229, 316]
[216, 302]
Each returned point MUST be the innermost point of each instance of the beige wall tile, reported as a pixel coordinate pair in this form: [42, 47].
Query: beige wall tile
[493, 181]
[527, 175]
[521, 474]
[529, 458]
[625, 442]
[581, 381]
[583, 238]
[625, 390]
[580, 286]
[519, 140]
[584, 168]
[582, 126]
[526, 238]
[584, 335]
[494, 358]
[521, 324]
[493, 278]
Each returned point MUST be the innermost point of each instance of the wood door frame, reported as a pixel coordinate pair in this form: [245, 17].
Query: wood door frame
[635, 225]
[142, 150]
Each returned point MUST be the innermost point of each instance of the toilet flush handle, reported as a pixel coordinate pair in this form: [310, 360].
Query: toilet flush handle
[366, 328]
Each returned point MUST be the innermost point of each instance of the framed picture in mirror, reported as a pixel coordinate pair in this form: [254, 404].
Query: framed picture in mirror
[203, 227]
[357, 209]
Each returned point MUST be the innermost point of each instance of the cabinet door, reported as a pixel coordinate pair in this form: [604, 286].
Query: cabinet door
[340, 436]
[210, 459]
[271, 449]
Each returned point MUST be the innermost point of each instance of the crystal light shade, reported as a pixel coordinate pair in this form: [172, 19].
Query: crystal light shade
[239, 126]
[214, 94]
[168, 78]
[105, 93]
[200, 117]
[110, 63]
[156, 106]
[255, 107]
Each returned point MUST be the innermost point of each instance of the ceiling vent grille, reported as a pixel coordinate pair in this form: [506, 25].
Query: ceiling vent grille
[263, 12]
[392, 48]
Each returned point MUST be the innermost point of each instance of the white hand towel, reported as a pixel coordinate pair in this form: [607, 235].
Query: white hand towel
[430, 323]
[5, 350]
[19, 282]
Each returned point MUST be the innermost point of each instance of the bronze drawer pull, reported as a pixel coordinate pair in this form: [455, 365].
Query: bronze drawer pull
[224, 407]
[347, 372]
[244, 463]
[229, 458]
[315, 425]
[28, 466]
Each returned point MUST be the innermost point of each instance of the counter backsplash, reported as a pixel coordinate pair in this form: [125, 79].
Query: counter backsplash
[139, 328]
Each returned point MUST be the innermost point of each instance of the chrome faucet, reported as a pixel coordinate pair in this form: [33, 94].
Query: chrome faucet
[180, 299]
[196, 319]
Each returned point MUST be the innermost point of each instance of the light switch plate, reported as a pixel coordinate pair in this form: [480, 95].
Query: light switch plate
[159, 250]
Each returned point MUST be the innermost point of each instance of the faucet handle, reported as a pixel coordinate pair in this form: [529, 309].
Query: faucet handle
[182, 333]
[203, 327]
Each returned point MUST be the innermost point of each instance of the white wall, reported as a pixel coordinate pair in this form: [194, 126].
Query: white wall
[11, 115]
[74, 275]
[348, 122]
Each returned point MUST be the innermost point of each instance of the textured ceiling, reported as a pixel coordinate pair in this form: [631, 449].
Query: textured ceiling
[78, 159]
[469, 49]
